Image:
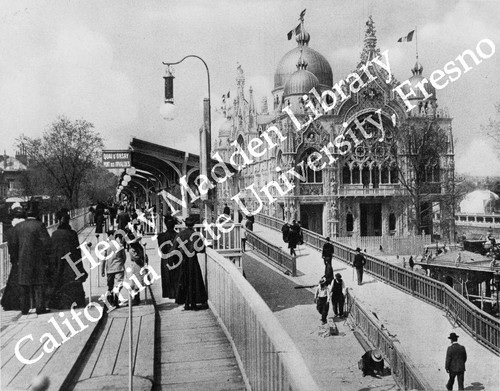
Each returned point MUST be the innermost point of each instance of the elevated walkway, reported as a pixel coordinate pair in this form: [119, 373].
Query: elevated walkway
[420, 328]
[172, 349]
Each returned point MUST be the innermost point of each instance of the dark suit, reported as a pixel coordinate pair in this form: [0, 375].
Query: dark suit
[359, 262]
[327, 252]
[456, 356]
[31, 249]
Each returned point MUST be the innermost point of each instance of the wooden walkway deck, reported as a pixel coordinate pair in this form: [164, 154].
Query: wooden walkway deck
[173, 349]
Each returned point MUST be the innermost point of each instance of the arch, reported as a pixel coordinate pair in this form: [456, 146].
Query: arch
[312, 176]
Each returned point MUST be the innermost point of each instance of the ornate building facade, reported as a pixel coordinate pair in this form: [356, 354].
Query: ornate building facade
[362, 192]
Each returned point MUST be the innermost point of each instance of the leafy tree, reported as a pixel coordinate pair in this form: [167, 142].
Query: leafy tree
[417, 148]
[67, 152]
[99, 186]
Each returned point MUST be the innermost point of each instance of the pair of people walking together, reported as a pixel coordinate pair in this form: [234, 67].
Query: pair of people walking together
[330, 293]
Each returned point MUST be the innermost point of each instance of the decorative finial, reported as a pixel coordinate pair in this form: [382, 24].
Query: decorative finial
[370, 49]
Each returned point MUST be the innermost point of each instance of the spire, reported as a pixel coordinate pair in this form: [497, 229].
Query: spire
[303, 37]
[251, 107]
[370, 49]
[417, 69]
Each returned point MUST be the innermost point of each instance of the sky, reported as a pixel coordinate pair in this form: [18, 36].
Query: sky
[102, 61]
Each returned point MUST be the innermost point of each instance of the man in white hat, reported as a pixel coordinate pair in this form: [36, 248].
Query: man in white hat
[372, 363]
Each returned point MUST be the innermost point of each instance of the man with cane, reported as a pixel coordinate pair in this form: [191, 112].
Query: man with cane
[359, 263]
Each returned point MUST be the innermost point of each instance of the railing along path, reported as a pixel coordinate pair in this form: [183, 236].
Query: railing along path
[482, 326]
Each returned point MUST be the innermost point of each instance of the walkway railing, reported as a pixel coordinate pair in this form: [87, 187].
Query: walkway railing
[404, 372]
[273, 254]
[482, 326]
[79, 220]
[269, 357]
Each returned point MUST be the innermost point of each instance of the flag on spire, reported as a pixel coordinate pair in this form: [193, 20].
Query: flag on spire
[297, 31]
[408, 37]
[302, 14]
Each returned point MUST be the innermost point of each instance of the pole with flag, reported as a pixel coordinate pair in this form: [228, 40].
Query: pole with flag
[409, 37]
[297, 29]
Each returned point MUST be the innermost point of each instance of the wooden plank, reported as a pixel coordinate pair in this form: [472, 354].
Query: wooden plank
[145, 353]
[91, 361]
[200, 371]
[221, 385]
[29, 349]
[121, 367]
[208, 351]
[8, 352]
[179, 339]
[107, 358]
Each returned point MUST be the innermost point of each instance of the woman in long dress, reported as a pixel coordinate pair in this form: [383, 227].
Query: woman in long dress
[11, 298]
[170, 269]
[64, 288]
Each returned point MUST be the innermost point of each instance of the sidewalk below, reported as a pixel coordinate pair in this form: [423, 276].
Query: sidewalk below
[421, 328]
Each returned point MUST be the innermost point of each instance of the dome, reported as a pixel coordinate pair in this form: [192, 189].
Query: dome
[301, 81]
[317, 63]
[414, 80]
[479, 202]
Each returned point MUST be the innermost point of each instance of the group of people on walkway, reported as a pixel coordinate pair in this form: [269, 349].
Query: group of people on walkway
[293, 235]
[40, 275]
[181, 275]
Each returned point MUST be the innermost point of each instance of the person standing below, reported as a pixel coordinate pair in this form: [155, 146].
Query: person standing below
[293, 238]
[243, 238]
[456, 356]
[138, 258]
[170, 270]
[321, 299]
[285, 230]
[65, 289]
[191, 290]
[372, 363]
[411, 263]
[338, 288]
[359, 263]
[250, 222]
[31, 250]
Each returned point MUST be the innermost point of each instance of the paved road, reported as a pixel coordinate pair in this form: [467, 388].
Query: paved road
[331, 360]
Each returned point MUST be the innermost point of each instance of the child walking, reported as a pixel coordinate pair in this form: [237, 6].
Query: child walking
[321, 299]
[114, 269]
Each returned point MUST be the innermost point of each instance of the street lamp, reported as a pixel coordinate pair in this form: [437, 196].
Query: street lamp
[167, 110]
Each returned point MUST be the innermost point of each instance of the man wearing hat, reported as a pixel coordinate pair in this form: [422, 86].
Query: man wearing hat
[456, 356]
[31, 249]
[337, 289]
[359, 262]
[372, 363]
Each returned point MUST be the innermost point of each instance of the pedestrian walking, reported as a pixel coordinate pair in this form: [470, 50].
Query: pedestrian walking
[456, 356]
[170, 270]
[293, 238]
[11, 297]
[31, 250]
[139, 259]
[243, 238]
[191, 291]
[359, 263]
[411, 262]
[285, 230]
[337, 290]
[122, 218]
[327, 252]
[250, 222]
[64, 286]
[321, 299]
[227, 210]
[113, 269]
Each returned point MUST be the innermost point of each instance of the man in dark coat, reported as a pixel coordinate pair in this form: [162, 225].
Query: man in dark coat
[293, 238]
[456, 356]
[191, 289]
[170, 269]
[327, 252]
[31, 249]
[122, 219]
[372, 363]
[285, 230]
[359, 263]
[227, 210]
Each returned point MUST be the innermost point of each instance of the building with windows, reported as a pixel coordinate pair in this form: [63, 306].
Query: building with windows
[11, 175]
[367, 191]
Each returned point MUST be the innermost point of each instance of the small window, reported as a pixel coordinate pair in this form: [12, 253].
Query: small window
[392, 222]
[349, 222]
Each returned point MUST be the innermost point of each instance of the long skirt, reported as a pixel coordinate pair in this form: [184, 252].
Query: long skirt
[11, 298]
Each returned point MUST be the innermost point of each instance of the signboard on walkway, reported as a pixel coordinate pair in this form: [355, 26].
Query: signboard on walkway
[116, 158]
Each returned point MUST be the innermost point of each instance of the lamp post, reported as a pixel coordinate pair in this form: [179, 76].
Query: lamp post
[167, 110]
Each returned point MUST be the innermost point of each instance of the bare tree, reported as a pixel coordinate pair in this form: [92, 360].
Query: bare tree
[492, 129]
[417, 148]
[67, 151]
